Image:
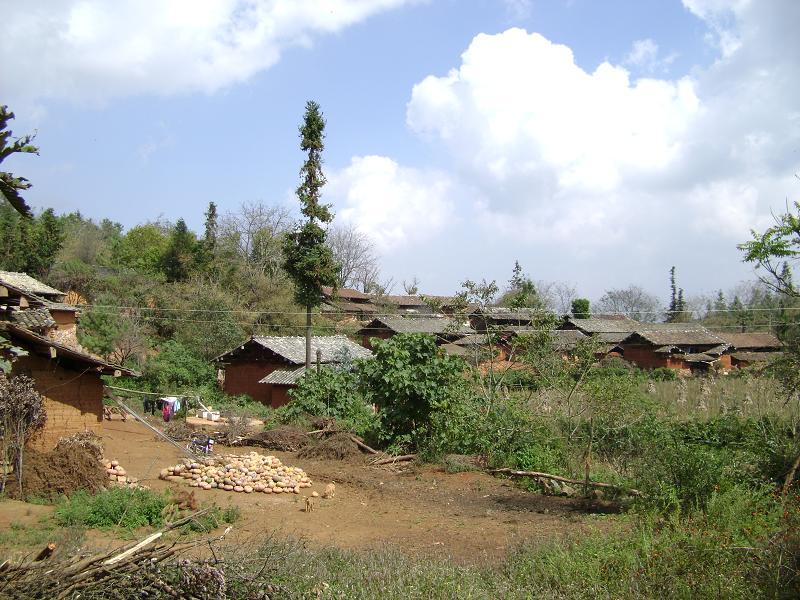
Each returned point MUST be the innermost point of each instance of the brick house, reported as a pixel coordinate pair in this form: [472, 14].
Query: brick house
[756, 348]
[246, 366]
[444, 329]
[609, 330]
[347, 301]
[686, 346]
[34, 318]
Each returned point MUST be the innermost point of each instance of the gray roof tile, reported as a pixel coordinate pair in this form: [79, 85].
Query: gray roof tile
[28, 284]
[293, 348]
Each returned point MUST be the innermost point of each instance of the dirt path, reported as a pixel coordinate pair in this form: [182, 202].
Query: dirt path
[468, 517]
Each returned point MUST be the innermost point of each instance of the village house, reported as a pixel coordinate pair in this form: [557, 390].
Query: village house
[347, 301]
[609, 330]
[491, 318]
[442, 328]
[687, 346]
[248, 367]
[404, 304]
[756, 348]
[35, 320]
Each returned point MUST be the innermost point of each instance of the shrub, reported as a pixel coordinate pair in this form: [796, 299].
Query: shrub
[663, 374]
[329, 393]
[409, 378]
[116, 507]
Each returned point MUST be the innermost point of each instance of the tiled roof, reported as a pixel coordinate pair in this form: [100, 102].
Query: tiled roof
[566, 339]
[33, 342]
[756, 356]
[605, 324]
[33, 318]
[432, 325]
[284, 377]
[293, 348]
[344, 293]
[499, 313]
[677, 334]
[747, 341]
[401, 300]
[28, 284]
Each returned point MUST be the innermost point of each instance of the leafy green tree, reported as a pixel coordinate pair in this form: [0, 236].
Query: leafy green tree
[176, 368]
[142, 249]
[179, 258]
[29, 244]
[10, 185]
[773, 252]
[522, 292]
[307, 258]
[580, 308]
[408, 378]
[330, 393]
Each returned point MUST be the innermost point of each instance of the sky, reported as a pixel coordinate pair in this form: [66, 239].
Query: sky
[597, 143]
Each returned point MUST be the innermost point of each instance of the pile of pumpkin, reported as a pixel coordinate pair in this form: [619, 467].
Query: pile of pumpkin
[246, 473]
[119, 476]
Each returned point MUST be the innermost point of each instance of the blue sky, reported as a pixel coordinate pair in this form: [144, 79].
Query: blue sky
[597, 143]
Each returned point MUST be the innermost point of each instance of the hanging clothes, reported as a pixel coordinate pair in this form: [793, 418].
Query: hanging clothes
[166, 411]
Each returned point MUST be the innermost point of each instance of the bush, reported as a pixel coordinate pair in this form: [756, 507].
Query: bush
[409, 378]
[176, 369]
[329, 393]
[116, 507]
[663, 374]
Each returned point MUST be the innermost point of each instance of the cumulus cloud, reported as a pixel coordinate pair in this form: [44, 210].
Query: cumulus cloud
[560, 153]
[393, 205]
[542, 137]
[93, 49]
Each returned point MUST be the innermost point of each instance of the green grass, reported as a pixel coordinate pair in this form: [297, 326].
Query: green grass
[116, 507]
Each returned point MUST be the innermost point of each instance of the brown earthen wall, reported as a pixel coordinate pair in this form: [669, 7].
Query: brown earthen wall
[65, 319]
[243, 378]
[382, 334]
[280, 395]
[73, 400]
[644, 357]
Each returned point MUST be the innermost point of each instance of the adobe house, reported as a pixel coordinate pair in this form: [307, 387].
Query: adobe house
[34, 319]
[757, 348]
[347, 301]
[404, 303]
[493, 318]
[686, 346]
[442, 328]
[610, 330]
[246, 366]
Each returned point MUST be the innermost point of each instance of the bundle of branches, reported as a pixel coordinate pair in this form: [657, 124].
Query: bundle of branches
[44, 577]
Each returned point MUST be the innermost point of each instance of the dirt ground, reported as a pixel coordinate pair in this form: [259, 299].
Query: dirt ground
[467, 517]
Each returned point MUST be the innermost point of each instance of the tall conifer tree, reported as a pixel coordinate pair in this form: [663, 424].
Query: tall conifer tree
[307, 258]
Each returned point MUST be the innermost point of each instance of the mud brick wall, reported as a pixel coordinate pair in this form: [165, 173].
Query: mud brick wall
[243, 378]
[73, 399]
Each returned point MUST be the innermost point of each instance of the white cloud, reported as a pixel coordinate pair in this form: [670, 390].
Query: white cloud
[644, 55]
[591, 158]
[394, 205]
[91, 50]
[543, 138]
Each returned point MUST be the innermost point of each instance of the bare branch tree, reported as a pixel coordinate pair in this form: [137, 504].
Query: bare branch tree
[411, 287]
[355, 252]
[254, 234]
[632, 301]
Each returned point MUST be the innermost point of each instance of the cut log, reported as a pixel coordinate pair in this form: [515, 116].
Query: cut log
[362, 445]
[538, 475]
[394, 459]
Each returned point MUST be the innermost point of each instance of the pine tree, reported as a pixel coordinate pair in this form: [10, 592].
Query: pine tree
[307, 258]
[178, 259]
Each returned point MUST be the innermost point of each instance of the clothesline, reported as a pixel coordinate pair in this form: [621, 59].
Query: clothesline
[162, 395]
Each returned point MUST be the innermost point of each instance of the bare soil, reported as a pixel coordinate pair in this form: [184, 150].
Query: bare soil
[468, 517]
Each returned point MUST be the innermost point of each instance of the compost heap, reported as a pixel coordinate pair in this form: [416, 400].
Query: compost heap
[246, 473]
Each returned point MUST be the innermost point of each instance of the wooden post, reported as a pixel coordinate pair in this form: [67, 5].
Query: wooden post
[319, 360]
[308, 337]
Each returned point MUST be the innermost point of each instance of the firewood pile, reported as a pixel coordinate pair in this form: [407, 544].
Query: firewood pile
[136, 564]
